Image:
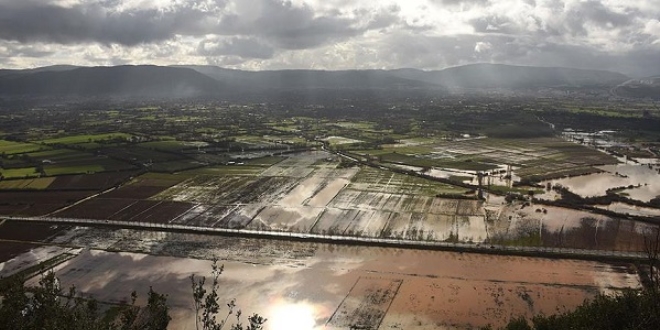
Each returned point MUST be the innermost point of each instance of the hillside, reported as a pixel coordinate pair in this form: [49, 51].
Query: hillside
[118, 81]
[191, 81]
[311, 79]
[640, 88]
[514, 77]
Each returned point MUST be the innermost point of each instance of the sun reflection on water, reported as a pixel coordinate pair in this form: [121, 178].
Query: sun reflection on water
[291, 316]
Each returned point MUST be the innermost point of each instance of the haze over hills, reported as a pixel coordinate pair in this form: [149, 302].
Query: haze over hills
[640, 88]
[514, 77]
[191, 81]
[305, 79]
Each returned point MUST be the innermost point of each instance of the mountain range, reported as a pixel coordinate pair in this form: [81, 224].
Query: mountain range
[191, 81]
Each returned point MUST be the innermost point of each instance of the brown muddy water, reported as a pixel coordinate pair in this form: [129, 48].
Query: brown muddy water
[319, 286]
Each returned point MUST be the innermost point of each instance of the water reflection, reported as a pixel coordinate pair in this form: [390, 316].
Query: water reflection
[642, 180]
[285, 315]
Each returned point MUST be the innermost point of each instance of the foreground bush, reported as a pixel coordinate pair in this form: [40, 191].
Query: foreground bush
[630, 310]
[47, 307]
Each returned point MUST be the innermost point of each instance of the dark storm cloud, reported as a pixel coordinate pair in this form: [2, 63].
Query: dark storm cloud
[595, 13]
[285, 25]
[28, 21]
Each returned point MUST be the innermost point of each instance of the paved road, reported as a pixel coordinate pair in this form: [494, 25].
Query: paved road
[401, 243]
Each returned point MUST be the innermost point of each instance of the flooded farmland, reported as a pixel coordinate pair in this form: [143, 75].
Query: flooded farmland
[640, 182]
[310, 193]
[305, 285]
[321, 286]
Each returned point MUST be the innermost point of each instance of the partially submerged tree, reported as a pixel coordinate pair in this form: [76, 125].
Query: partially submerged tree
[652, 250]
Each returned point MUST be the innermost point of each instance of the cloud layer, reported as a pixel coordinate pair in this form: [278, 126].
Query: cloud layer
[613, 35]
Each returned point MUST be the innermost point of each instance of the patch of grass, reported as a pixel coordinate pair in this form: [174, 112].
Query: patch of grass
[174, 166]
[361, 125]
[169, 146]
[36, 183]
[74, 169]
[264, 161]
[10, 148]
[23, 172]
[247, 170]
[467, 164]
[55, 154]
[87, 138]
[517, 190]
[371, 179]
[530, 239]
[459, 178]
[409, 149]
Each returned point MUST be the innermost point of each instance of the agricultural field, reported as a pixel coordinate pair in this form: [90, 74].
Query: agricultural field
[310, 193]
[37, 203]
[24, 172]
[327, 286]
[11, 148]
[87, 138]
[35, 183]
[54, 162]
[533, 159]
[440, 171]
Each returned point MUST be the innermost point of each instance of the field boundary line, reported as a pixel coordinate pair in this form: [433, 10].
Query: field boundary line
[343, 300]
[396, 292]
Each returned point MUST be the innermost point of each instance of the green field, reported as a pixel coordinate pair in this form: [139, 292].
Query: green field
[228, 170]
[10, 148]
[72, 169]
[467, 164]
[23, 172]
[78, 139]
[371, 179]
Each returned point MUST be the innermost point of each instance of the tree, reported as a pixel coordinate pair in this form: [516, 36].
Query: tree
[47, 307]
[207, 307]
[652, 250]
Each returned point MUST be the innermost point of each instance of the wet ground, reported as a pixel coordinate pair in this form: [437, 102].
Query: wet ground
[315, 286]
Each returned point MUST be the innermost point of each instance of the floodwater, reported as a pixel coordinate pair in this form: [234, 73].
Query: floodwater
[631, 209]
[335, 287]
[646, 181]
[497, 177]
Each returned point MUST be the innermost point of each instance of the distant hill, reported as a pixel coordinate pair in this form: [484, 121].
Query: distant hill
[640, 88]
[117, 81]
[7, 72]
[191, 81]
[514, 77]
[474, 76]
[311, 79]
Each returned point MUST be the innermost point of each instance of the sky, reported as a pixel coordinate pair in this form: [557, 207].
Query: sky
[615, 35]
